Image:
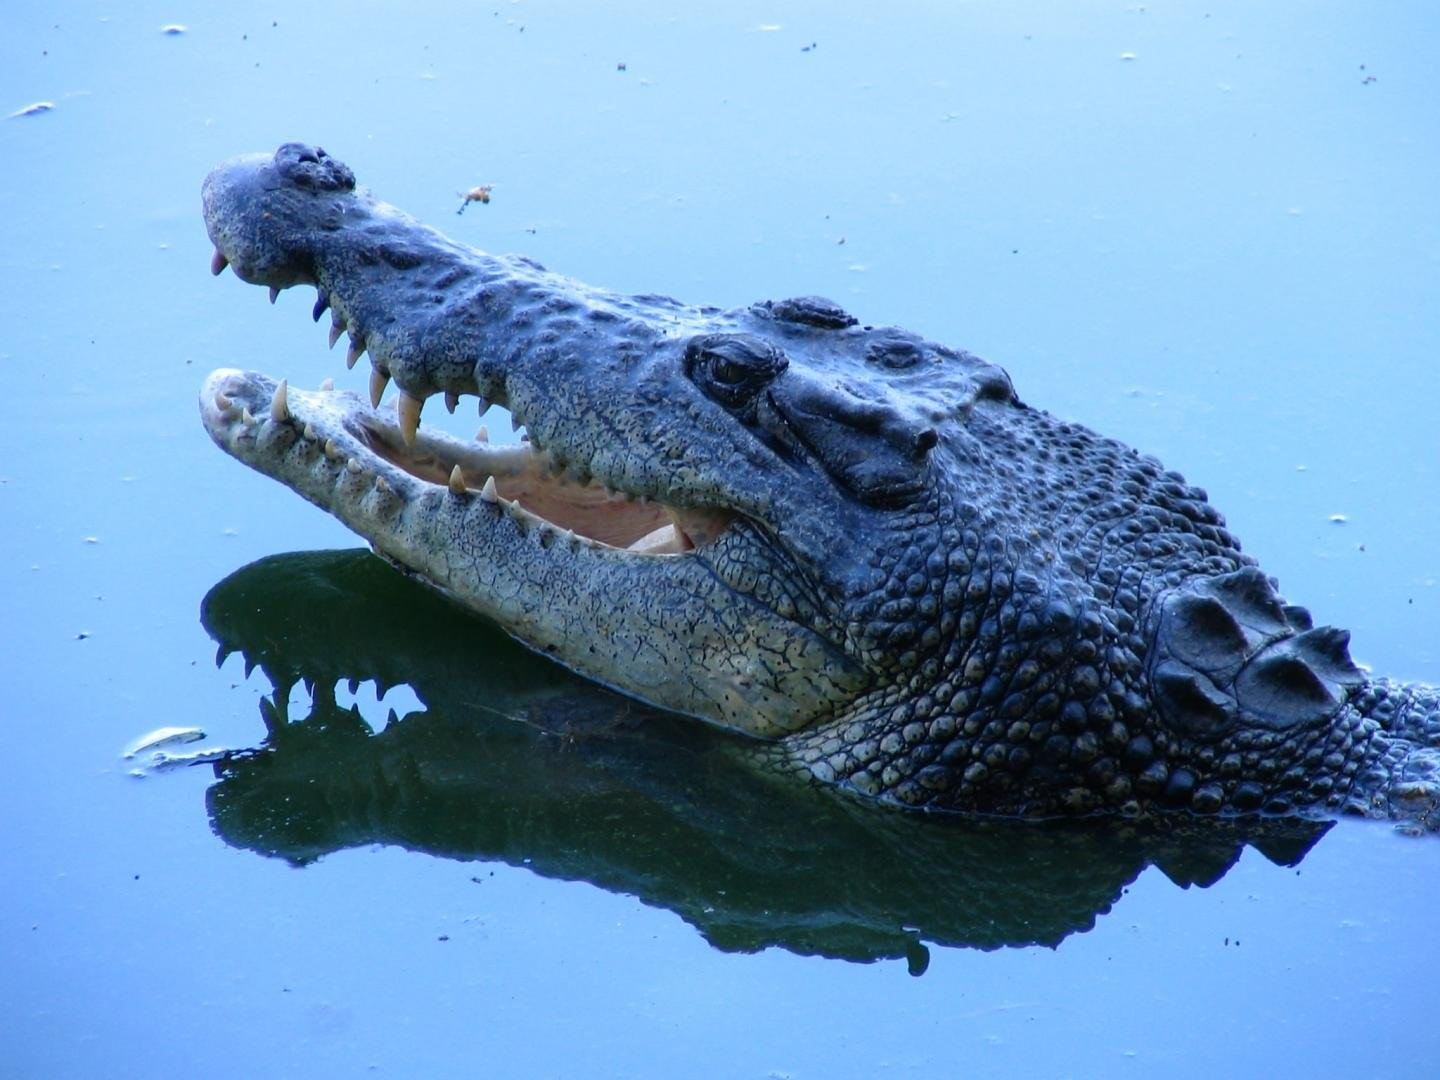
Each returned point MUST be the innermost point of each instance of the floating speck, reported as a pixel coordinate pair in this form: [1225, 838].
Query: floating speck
[33, 109]
[1302, 468]
[769, 28]
[82, 635]
[1128, 56]
[92, 539]
[1338, 519]
[174, 29]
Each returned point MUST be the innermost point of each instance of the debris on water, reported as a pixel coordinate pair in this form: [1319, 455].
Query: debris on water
[1339, 519]
[1128, 56]
[621, 66]
[174, 29]
[33, 109]
[92, 539]
[161, 737]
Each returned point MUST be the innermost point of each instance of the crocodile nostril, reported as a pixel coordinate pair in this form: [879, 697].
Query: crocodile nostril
[925, 441]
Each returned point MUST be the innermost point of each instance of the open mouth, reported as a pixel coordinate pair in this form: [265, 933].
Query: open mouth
[541, 487]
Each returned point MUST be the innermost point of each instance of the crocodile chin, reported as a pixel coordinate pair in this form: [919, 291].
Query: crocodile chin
[581, 571]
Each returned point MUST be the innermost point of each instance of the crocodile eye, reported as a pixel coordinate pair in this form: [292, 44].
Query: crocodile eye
[733, 368]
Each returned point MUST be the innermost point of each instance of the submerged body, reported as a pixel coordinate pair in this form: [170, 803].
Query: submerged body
[854, 544]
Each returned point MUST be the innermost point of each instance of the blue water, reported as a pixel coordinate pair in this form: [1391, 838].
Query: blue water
[1207, 229]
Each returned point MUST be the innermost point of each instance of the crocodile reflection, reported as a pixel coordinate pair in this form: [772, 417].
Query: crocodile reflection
[513, 759]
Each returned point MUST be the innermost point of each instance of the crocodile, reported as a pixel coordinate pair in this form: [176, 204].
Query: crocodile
[853, 545]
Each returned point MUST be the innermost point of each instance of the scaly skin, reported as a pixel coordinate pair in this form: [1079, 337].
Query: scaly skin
[856, 545]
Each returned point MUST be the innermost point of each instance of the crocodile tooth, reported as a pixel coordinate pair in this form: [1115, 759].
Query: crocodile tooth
[331, 450]
[352, 466]
[352, 354]
[247, 417]
[378, 381]
[336, 329]
[457, 481]
[515, 422]
[322, 304]
[452, 399]
[488, 492]
[483, 435]
[408, 410]
[483, 405]
[310, 432]
[218, 262]
[327, 385]
[280, 403]
[382, 485]
[274, 293]
[224, 402]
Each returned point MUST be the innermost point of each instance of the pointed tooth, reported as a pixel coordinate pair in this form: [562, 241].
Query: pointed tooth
[274, 293]
[488, 492]
[457, 481]
[352, 466]
[382, 485]
[408, 410]
[331, 450]
[280, 403]
[224, 402]
[322, 304]
[352, 354]
[247, 417]
[515, 422]
[483, 405]
[310, 432]
[218, 262]
[378, 381]
[327, 385]
[483, 435]
[452, 399]
[336, 329]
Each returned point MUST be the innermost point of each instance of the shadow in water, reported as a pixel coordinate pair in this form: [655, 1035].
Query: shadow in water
[514, 759]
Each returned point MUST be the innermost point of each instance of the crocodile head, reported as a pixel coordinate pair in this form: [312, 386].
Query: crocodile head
[695, 508]
[848, 540]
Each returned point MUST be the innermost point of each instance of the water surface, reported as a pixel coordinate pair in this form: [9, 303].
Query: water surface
[1207, 229]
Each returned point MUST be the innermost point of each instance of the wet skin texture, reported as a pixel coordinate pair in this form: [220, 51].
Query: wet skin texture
[854, 544]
